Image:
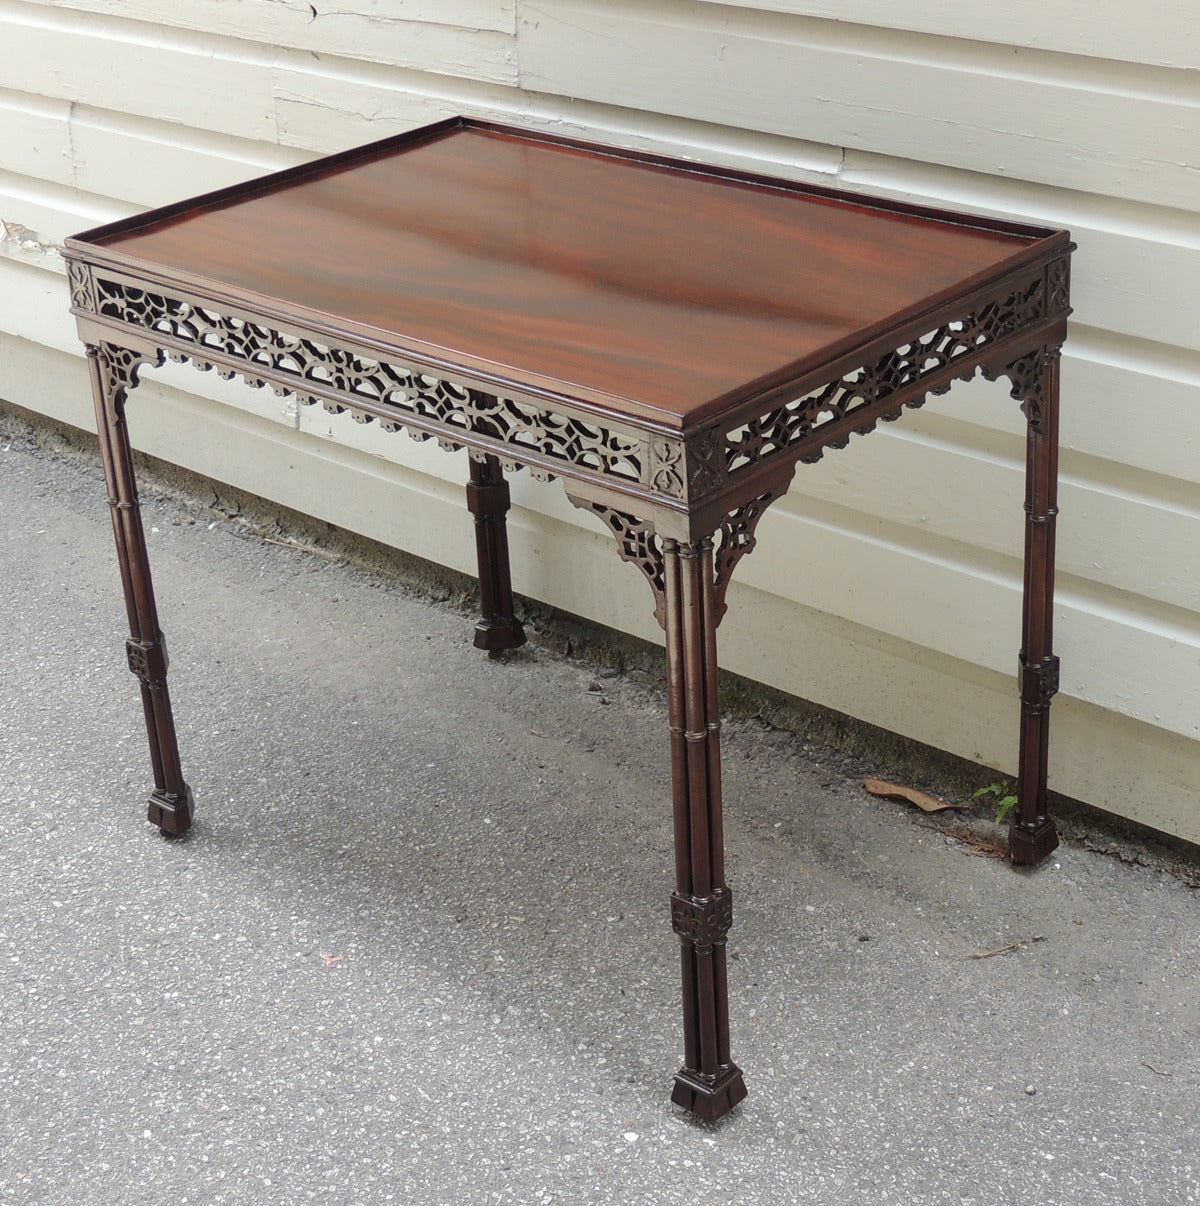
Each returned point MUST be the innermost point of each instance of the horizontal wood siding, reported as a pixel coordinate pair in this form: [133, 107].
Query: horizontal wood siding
[970, 105]
[887, 584]
[1160, 33]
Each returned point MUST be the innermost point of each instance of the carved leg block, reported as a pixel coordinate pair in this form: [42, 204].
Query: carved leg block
[113, 373]
[705, 1099]
[171, 813]
[1027, 847]
[488, 501]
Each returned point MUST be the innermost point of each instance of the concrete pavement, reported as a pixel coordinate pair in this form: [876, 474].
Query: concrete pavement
[416, 948]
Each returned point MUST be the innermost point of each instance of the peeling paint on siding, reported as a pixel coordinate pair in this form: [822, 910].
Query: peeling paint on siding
[18, 242]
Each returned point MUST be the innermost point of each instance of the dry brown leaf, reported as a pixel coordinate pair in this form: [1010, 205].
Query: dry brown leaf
[897, 791]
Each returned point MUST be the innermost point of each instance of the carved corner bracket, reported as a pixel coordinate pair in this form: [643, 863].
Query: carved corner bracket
[637, 543]
[737, 537]
[119, 368]
[734, 537]
[1027, 376]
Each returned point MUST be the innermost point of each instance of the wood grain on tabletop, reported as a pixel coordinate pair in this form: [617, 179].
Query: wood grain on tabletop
[668, 288]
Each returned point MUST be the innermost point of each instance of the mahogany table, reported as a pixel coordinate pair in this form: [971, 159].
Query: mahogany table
[668, 339]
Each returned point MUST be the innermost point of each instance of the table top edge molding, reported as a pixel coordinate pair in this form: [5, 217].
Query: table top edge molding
[408, 139]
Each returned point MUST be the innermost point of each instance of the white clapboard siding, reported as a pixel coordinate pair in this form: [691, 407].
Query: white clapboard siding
[887, 584]
[453, 37]
[35, 140]
[1135, 410]
[973, 495]
[285, 21]
[1136, 264]
[943, 603]
[1159, 32]
[177, 160]
[959, 103]
[322, 110]
[319, 107]
[129, 67]
[22, 189]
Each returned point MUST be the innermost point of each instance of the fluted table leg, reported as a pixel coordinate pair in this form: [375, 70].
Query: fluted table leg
[709, 1083]
[1033, 834]
[112, 372]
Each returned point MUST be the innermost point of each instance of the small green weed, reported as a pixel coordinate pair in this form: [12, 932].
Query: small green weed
[1006, 796]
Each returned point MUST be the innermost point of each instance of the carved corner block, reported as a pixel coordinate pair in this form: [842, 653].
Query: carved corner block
[1058, 286]
[702, 921]
[691, 470]
[81, 285]
[1038, 682]
[148, 660]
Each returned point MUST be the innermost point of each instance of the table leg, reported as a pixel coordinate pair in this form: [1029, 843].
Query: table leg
[113, 373]
[709, 1083]
[1033, 835]
[488, 501]
[689, 584]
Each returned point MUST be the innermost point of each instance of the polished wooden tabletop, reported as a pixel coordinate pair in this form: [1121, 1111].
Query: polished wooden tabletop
[652, 286]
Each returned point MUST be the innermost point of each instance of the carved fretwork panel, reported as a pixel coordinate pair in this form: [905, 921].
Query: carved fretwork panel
[856, 401]
[564, 438]
[346, 381]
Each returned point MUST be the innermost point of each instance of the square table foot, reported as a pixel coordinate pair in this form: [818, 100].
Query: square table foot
[1028, 847]
[499, 634]
[172, 812]
[709, 1097]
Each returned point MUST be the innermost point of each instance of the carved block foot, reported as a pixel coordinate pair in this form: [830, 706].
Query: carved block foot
[500, 633]
[709, 1097]
[1027, 847]
[172, 813]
